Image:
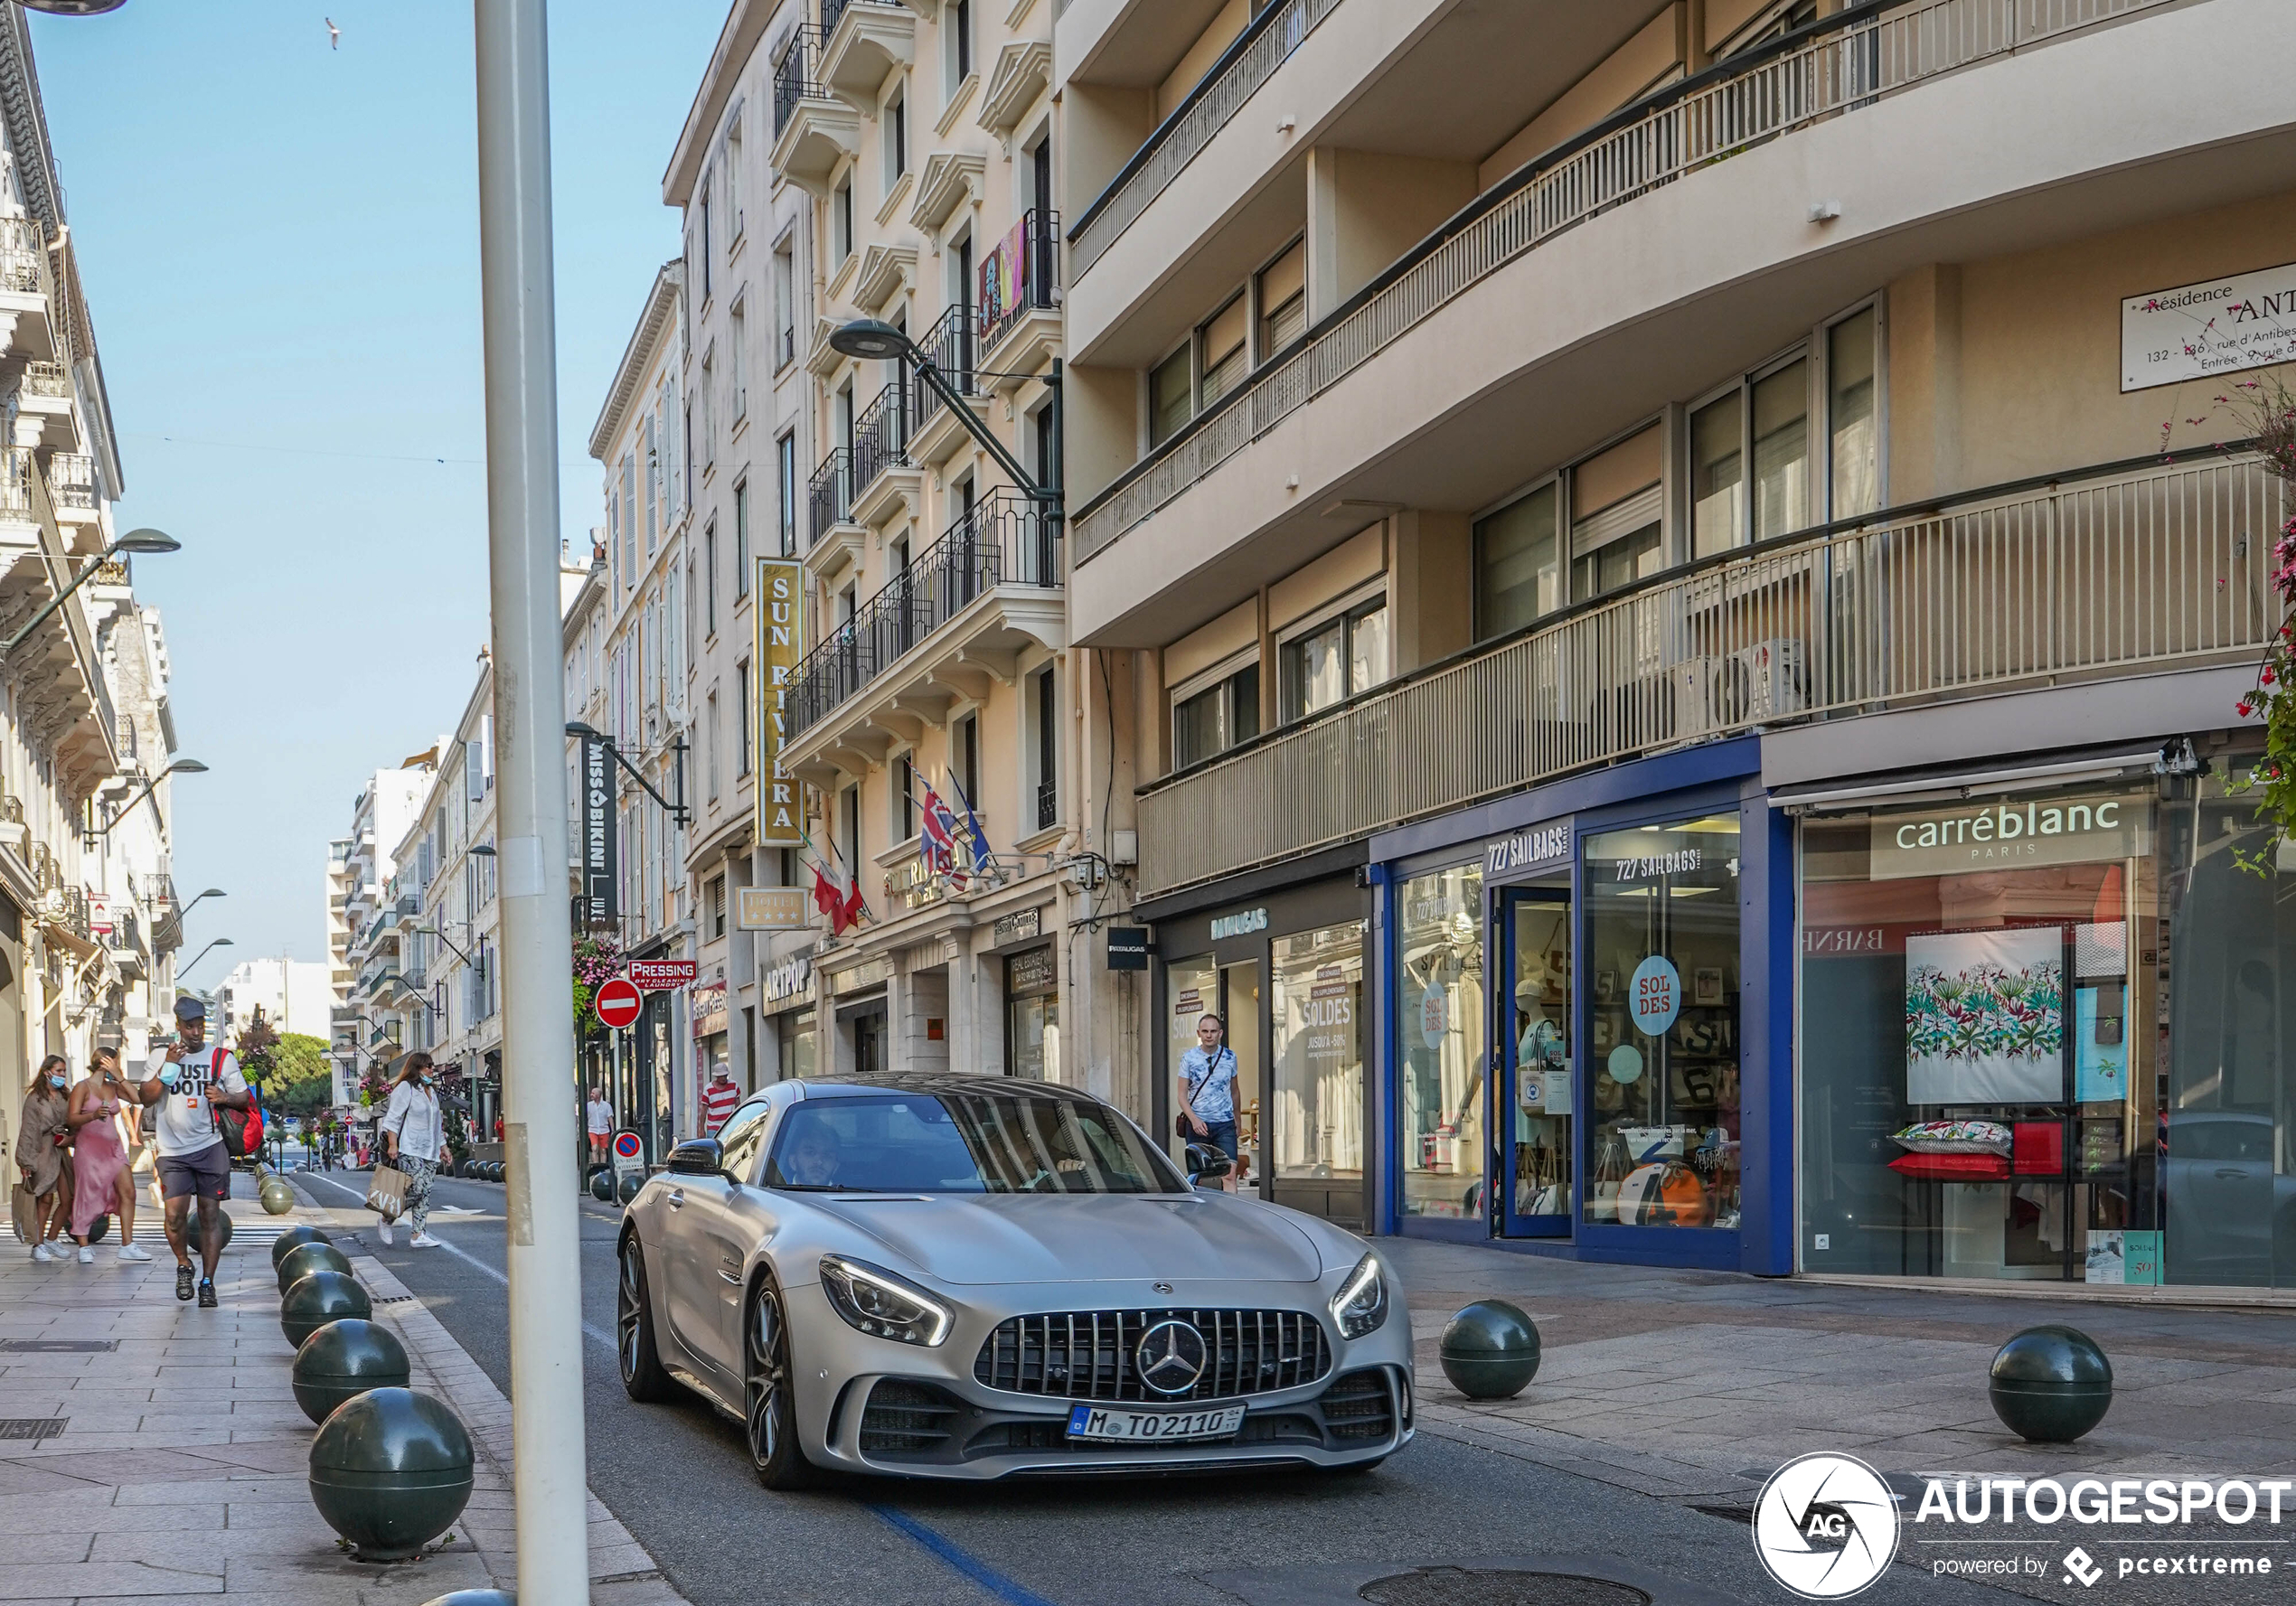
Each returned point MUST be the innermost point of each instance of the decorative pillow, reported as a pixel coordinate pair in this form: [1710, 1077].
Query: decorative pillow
[1952, 1168]
[1954, 1137]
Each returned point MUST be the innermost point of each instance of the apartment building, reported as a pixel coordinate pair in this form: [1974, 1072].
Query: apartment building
[1687, 612]
[629, 664]
[292, 995]
[364, 895]
[87, 908]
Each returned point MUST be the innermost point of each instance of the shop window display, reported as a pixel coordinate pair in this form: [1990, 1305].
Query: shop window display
[1662, 1124]
[1319, 1054]
[1442, 1023]
[1545, 1074]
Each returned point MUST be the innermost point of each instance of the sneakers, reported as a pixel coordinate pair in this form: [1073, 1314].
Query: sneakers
[183, 1283]
[87, 1256]
[423, 1240]
[385, 1230]
[42, 1253]
[133, 1252]
[206, 1294]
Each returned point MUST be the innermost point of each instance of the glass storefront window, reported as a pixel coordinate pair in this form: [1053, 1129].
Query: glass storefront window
[1540, 1027]
[796, 1046]
[1978, 1094]
[1032, 1015]
[1662, 1125]
[1318, 1054]
[1442, 1022]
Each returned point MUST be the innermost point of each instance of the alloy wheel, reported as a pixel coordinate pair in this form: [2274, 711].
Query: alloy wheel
[629, 1305]
[767, 1347]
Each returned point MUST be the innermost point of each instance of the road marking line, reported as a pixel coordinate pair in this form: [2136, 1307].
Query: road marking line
[957, 1558]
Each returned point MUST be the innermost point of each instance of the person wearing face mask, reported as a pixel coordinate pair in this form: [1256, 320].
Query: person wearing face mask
[189, 1082]
[414, 1134]
[100, 1178]
[43, 1155]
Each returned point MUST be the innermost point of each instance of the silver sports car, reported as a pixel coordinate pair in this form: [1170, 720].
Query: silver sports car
[973, 1277]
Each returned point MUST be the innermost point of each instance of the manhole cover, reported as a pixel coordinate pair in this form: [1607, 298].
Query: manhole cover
[32, 1427]
[1459, 1586]
[58, 1346]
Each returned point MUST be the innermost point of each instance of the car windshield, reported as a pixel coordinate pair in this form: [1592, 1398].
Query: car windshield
[964, 1142]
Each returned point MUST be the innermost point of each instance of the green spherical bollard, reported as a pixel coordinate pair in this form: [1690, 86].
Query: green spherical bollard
[99, 1229]
[278, 1198]
[1490, 1350]
[295, 1237]
[602, 1185]
[391, 1470]
[318, 1298]
[310, 1257]
[2051, 1384]
[344, 1359]
[627, 1189]
[492, 1171]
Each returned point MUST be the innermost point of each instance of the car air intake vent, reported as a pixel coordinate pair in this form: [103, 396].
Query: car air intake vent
[1093, 1355]
[907, 1418]
[1359, 1407]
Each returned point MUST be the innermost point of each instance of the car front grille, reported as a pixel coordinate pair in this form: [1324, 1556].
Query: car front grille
[1089, 1354]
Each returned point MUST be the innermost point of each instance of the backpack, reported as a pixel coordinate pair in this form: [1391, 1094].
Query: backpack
[242, 1131]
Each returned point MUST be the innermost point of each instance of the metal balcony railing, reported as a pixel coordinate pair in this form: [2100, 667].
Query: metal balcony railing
[127, 934]
[71, 479]
[1263, 47]
[1047, 806]
[793, 78]
[2102, 572]
[785, 347]
[15, 479]
[1004, 540]
[830, 11]
[1029, 284]
[948, 346]
[1847, 60]
[41, 378]
[880, 436]
[829, 494]
[24, 256]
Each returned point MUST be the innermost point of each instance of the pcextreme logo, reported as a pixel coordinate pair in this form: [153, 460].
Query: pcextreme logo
[1825, 1527]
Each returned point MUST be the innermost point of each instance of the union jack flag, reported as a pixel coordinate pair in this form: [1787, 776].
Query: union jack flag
[942, 831]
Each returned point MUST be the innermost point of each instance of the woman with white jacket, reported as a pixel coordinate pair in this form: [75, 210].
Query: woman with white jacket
[414, 1135]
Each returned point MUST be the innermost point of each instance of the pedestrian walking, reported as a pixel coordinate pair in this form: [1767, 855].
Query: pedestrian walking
[1208, 1092]
[101, 1181]
[189, 1082]
[718, 1100]
[414, 1135]
[43, 1155]
[599, 1118]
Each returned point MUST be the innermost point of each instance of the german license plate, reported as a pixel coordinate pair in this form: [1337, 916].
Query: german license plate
[1097, 1421]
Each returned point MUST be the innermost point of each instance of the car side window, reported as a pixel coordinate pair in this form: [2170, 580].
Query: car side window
[744, 1129]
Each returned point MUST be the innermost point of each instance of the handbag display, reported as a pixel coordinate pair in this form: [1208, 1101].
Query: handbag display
[387, 1194]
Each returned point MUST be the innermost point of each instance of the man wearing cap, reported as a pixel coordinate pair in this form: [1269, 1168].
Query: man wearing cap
[188, 1081]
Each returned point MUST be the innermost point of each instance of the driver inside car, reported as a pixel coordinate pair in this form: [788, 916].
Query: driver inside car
[812, 1162]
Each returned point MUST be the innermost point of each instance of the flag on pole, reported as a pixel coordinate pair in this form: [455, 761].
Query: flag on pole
[941, 829]
[984, 861]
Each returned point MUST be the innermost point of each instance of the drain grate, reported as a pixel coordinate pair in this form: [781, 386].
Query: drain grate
[34, 1428]
[58, 1346]
[1461, 1586]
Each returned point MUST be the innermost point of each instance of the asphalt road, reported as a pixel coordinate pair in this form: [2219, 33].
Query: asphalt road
[678, 1477]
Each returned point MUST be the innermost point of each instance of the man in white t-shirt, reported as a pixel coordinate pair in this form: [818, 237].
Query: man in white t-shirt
[187, 1084]
[600, 1119]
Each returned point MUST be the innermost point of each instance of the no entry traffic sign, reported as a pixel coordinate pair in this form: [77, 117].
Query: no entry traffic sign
[618, 1002]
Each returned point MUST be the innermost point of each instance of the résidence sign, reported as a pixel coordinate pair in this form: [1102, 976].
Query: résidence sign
[2004, 835]
[2246, 320]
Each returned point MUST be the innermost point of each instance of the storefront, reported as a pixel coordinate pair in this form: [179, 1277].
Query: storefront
[1579, 1038]
[1032, 1014]
[859, 1000]
[1282, 965]
[789, 1016]
[2044, 1038]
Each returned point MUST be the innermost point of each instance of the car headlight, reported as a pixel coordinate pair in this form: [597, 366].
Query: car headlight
[1361, 1303]
[881, 1304]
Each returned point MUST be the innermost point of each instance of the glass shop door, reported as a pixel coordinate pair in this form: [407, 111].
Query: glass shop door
[1533, 1035]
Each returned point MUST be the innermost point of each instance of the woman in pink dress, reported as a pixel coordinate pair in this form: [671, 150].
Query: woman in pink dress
[101, 1182]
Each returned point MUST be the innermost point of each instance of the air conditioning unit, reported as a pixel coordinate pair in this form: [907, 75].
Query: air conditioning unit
[1697, 684]
[1768, 680]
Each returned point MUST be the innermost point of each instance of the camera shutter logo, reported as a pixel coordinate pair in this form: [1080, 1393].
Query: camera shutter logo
[1825, 1527]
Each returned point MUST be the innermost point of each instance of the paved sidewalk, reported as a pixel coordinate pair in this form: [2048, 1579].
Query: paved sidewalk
[179, 1473]
[1688, 1384]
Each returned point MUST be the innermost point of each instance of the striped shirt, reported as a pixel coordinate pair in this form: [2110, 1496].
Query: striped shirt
[718, 1100]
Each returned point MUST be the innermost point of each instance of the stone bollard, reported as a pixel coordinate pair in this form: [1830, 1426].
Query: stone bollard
[310, 1257]
[2051, 1384]
[295, 1237]
[278, 1198]
[344, 1359]
[602, 1185]
[318, 1298]
[628, 1188]
[391, 1470]
[1490, 1350]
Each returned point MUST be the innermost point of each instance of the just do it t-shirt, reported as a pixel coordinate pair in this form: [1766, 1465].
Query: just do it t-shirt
[186, 1124]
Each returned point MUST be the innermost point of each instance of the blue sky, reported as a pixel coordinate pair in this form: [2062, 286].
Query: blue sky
[279, 246]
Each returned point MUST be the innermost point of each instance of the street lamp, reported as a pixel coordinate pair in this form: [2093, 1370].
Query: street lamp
[879, 342]
[590, 733]
[187, 909]
[182, 766]
[134, 541]
[202, 954]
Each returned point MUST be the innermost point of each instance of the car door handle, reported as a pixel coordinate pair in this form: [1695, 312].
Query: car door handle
[677, 1200]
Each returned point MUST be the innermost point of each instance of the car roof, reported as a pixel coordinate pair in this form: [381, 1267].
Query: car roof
[934, 1082]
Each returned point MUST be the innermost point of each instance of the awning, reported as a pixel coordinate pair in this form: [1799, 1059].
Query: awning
[1964, 783]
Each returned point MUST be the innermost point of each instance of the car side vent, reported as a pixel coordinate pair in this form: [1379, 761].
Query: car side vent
[1359, 1408]
[905, 1418]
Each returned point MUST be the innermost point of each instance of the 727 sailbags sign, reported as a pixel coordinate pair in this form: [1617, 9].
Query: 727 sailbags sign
[781, 591]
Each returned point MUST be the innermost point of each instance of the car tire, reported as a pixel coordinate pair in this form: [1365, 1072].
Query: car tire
[768, 1398]
[635, 1356]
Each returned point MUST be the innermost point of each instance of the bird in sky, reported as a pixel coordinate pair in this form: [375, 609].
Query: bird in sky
[334, 35]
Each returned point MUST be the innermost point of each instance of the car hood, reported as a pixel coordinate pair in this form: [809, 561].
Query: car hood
[974, 1239]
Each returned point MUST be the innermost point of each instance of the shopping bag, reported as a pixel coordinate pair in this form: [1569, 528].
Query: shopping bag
[387, 1194]
[25, 1210]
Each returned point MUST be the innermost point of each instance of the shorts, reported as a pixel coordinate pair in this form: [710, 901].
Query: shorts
[206, 1175]
[599, 1141]
[1222, 1137]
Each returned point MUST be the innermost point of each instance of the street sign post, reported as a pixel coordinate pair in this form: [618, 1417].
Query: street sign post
[618, 1002]
[629, 1155]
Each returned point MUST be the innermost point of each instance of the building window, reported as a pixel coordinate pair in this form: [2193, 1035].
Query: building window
[711, 739]
[1853, 414]
[1281, 294]
[733, 179]
[1617, 525]
[1317, 1047]
[965, 749]
[785, 480]
[1207, 719]
[904, 778]
[1032, 1015]
[840, 221]
[1763, 420]
[1222, 358]
[710, 574]
[1046, 705]
[709, 409]
[1439, 1098]
[741, 541]
[706, 180]
[653, 486]
[718, 906]
[737, 344]
[1171, 395]
[784, 307]
[742, 688]
[1519, 563]
[1332, 660]
[849, 813]
[896, 125]
[629, 521]
[956, 22]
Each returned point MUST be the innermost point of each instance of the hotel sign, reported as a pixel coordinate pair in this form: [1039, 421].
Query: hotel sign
[2244, 320]
[781, 592]
[2004, 835]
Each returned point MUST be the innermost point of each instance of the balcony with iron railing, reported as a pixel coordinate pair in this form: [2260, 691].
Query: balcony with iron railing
[957, 618]
[829, 494]
[2124, 570]
[813, 130]
[1859, 58]
[72, 485]
[934, 431]
[1018, 316]
[861, 42]
[881, 466]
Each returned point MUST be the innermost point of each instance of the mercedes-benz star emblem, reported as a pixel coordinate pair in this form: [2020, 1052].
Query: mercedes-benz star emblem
[1171, 1356]
[1162, 1287]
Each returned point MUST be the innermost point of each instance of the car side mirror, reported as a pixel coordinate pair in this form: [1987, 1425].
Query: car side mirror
[698, 1157]
[1208, 1163]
